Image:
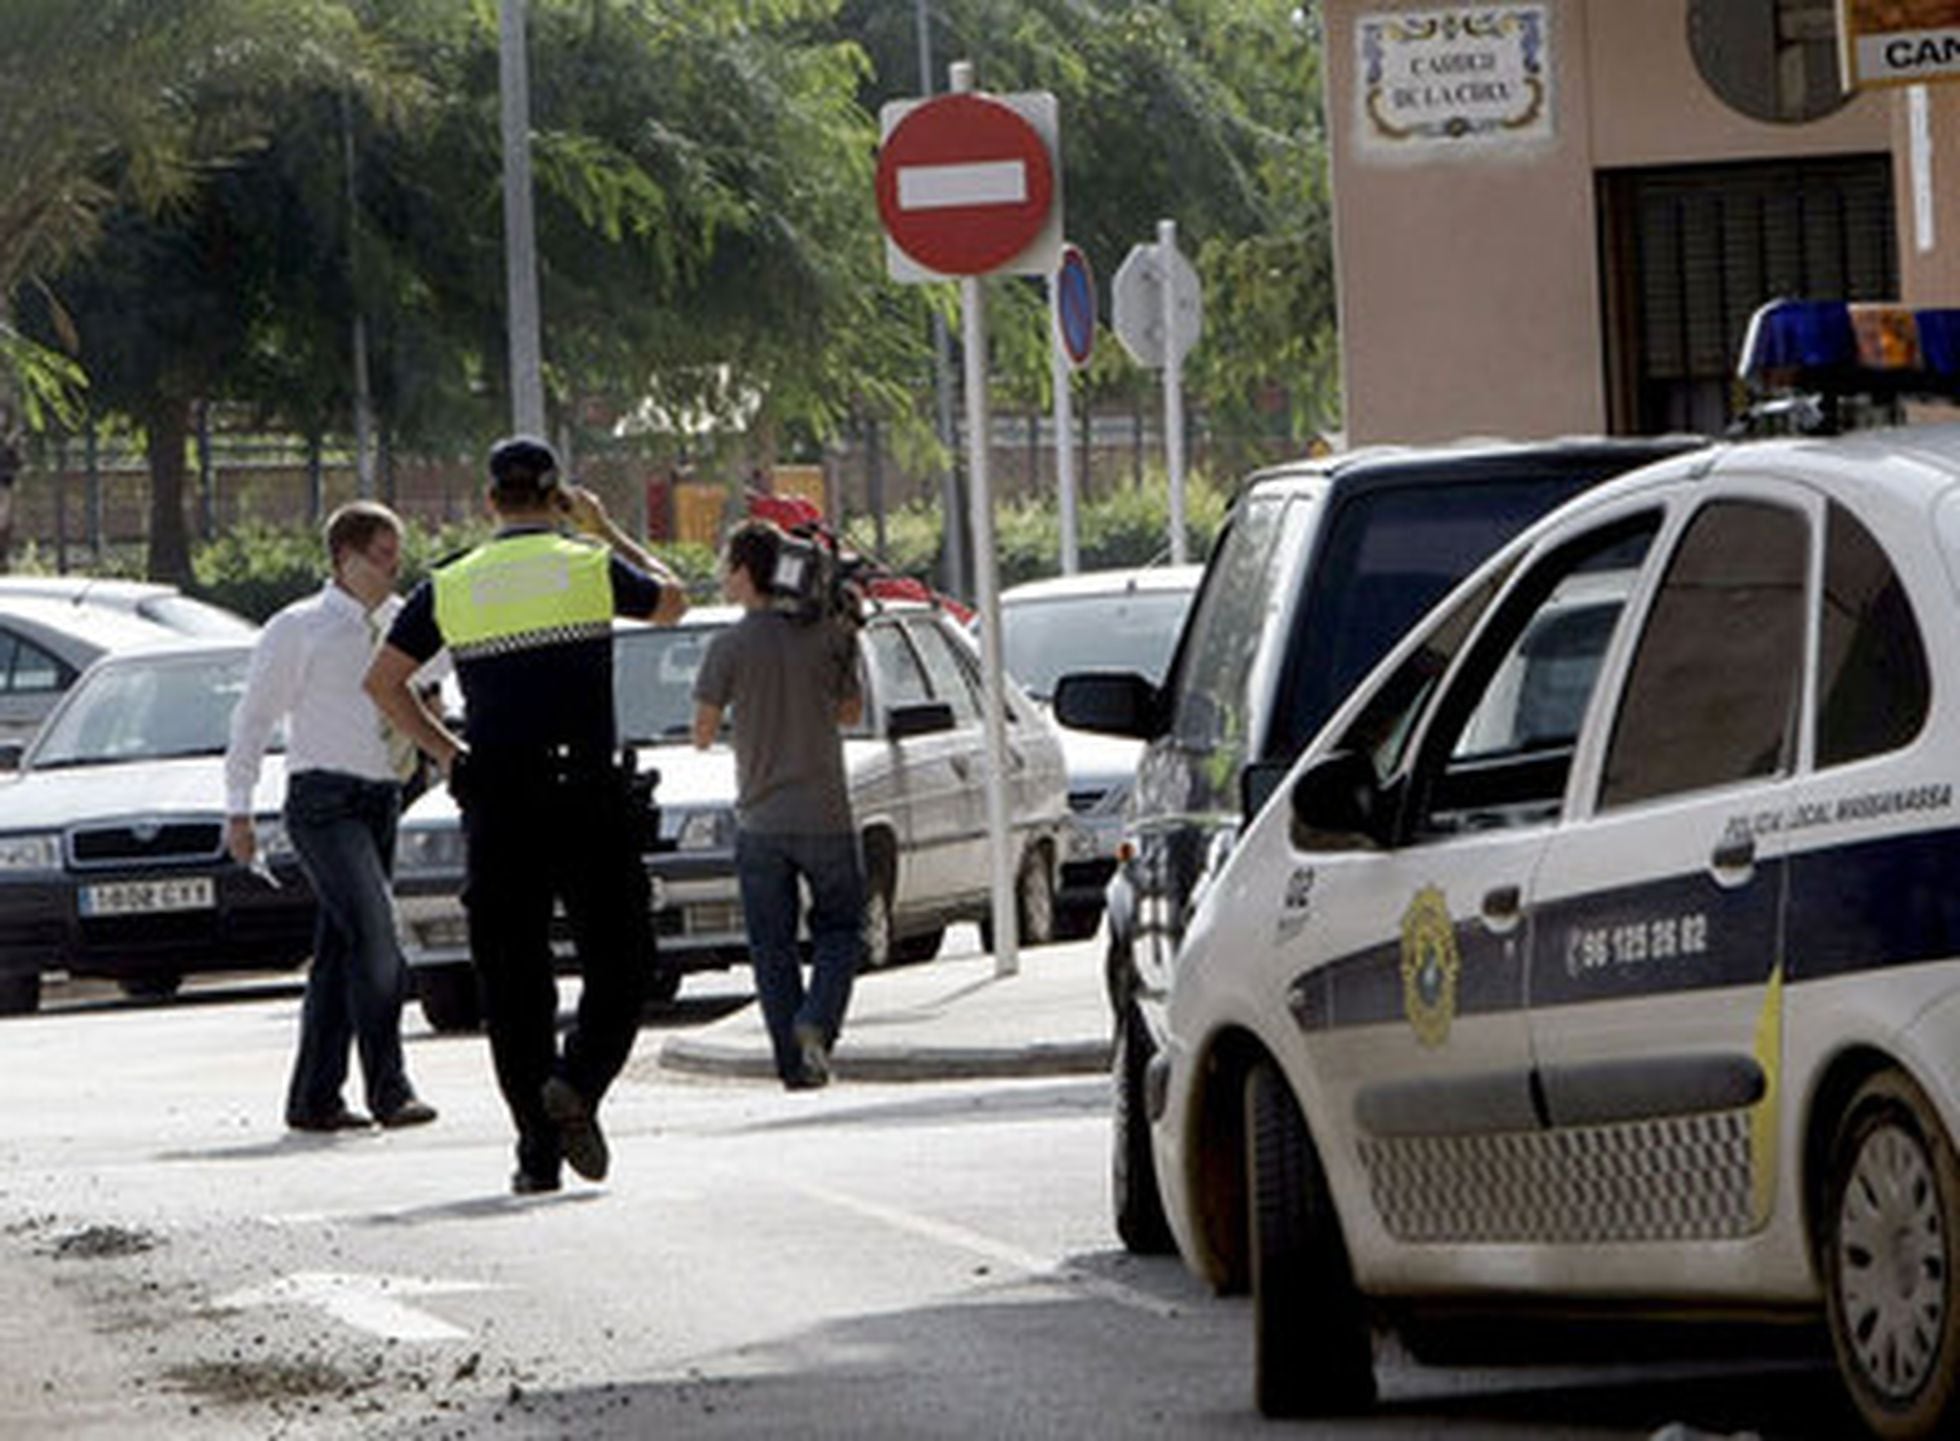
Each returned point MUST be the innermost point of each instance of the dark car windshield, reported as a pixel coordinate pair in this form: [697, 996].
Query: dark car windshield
[653, 680]
[1131, 630]
[149, 709]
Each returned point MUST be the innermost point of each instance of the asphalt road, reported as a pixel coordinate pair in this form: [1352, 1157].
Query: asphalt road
[931, 1260]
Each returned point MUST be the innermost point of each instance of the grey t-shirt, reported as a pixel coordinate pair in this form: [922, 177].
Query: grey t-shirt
[783, 681]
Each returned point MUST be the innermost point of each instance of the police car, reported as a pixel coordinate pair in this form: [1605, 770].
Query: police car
[1603, 949]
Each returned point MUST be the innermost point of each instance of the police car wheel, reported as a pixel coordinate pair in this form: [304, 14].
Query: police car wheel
[878, 940]
[1034, 899]
[1140, 1221]
[449, 997]
[1889, 1252]
[1313, 1354]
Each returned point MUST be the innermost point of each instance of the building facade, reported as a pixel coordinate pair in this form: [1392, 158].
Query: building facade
[1556, 217]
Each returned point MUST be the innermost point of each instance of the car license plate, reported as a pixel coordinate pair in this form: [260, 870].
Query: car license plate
[128, 898]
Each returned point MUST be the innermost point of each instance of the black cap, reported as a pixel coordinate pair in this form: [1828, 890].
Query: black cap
[523, 462]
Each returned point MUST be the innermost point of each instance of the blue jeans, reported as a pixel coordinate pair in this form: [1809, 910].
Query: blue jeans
[767, 867]
[344, 830]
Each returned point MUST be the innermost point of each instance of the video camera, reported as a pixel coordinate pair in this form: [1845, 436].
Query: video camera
[814, 581]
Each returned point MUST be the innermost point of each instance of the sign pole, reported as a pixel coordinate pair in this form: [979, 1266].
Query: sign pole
[520, 233]
[1007, 940]
[1063, 375]
[1173, 387]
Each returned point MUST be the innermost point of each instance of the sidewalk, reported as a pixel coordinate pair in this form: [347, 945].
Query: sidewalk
[945, 1019]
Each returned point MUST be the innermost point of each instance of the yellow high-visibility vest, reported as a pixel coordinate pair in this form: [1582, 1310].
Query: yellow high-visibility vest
[524, 591]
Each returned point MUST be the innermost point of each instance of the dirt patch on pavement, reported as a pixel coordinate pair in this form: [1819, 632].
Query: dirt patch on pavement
[240, 1382]
[96, 1243]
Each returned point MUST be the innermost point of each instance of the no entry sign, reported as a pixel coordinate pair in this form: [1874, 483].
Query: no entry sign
[968, 185]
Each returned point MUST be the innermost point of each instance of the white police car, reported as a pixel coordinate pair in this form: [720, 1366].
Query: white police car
[1603, 949]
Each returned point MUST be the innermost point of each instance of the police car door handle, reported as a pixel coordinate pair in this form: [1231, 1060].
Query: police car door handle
[1501, 908]
[1735, 859]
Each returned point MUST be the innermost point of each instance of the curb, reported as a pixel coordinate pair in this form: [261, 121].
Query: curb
[899, 1063]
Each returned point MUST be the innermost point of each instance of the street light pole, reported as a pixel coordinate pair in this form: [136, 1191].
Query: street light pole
[520, 236]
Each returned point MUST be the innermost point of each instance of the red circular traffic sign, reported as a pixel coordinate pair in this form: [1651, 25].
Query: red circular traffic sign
[964, 184]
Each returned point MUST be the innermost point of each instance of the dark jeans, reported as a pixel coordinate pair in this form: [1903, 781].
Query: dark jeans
[767, 867]
[536, 831]
[344, 830]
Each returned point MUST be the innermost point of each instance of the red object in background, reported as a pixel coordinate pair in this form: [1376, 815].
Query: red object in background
[801, 517]
[660, 508]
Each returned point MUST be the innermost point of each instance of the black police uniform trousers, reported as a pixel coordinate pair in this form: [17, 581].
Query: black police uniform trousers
[539, 828]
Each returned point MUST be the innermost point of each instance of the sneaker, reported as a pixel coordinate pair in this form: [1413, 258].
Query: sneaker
[578, 1129]
[529, 1183]
[412, 1112]
[816, 1055]
[338, 1120]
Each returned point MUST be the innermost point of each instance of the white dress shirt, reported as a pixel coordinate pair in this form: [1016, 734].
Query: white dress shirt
[309, 664]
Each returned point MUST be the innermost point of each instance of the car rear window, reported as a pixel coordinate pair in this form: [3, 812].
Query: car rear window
[1388, 556]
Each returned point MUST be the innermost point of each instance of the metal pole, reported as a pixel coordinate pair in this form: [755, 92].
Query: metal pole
[1063, 375]
[1007, 941]
[955, 576]
[92, 458]
[520, 237]
[363, 399]
[1173, 386]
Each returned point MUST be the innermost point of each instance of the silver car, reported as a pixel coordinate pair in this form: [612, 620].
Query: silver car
[150, 600]
[917, 773]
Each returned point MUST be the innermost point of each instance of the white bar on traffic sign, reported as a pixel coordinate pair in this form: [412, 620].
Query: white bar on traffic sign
[942, 187]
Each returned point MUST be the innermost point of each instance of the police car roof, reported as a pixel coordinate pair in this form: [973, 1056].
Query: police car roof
[1470, 460]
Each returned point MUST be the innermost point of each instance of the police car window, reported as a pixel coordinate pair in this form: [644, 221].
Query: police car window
[34, 669]
[900, 681]
[1872, 683]
[949, 679]
[1710, 695]
[1382, 730]
[1504, 736]
[1223, 634]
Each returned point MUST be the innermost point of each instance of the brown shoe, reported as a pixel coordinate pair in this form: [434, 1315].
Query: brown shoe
[578, 1129]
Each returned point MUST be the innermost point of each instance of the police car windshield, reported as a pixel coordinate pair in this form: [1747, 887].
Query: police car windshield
[160, 708]
[653, 681]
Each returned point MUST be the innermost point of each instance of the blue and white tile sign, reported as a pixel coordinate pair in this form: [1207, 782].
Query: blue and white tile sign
[1476, 77]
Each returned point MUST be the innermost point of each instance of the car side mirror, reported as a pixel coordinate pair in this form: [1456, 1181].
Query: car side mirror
[1118, 703]
[1338, 805]
[10, 755]
[918, 719]
[1257, 782]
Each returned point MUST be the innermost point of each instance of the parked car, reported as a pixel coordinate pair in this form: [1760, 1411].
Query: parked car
[1321, 567]
[161, 604]
[1600, 952]
[1120, 620]
[44, 646]
[112, 854]
[916, 767]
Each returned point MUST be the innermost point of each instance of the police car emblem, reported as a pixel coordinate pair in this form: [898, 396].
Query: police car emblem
[1429, 966]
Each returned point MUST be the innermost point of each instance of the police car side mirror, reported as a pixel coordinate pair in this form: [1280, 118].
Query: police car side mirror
[918, 719]
[1118, 703]
[1337, 805]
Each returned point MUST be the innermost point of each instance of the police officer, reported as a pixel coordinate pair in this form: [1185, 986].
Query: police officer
[547, 809]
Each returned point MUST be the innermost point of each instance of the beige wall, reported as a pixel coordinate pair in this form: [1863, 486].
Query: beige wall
[1469, 284]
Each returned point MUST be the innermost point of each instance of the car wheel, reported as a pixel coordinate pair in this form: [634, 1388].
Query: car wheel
[1034, 903]
[1139, 1209]
[1312, 1351]
[20, 993]
[450, 1000]
[1888, 1256]
[878, 942]
[922, 947]
[152, 986]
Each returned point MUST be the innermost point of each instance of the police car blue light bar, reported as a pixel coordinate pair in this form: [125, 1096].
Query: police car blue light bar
[1840, 348]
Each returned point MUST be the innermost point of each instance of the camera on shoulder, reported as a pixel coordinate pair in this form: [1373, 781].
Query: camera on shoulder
[811, 581]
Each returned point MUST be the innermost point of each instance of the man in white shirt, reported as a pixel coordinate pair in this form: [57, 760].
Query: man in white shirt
[343, 798]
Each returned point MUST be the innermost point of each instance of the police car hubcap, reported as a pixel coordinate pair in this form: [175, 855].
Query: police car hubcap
[1892, 1262]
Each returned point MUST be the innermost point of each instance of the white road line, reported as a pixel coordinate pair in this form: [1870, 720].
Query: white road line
[983, 182]
[1041, 1268]
[365, 1302]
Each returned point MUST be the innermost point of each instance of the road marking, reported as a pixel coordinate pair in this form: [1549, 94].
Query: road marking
[365, 1302]
[1041, 1268]
[944, 187]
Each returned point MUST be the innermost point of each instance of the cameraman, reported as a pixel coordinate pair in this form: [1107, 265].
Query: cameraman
[791, 677]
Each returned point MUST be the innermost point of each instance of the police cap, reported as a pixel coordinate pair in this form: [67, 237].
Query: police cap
[523, 463]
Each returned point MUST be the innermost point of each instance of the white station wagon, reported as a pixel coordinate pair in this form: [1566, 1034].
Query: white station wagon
[1603, 950]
